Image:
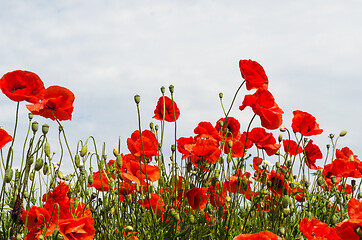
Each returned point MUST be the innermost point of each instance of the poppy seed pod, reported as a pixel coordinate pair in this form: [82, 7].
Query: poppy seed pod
[45, 129]
[34, 126]
[171, 88]
[173, 147]
[137, 99]
[230, 143]
[83, 150]
[30, 116]
[31, 176]
[30, 160]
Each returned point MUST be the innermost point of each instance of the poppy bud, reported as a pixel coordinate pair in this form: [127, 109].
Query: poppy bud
[119, 160]
[83, 150]
[30, 160]
[230, 143]
[26, 194]
[328, 146]
[77, 160]
[115, 152]
[129, 229]
[156, 127]
[192, 218]
[60, 175]
[45, 129]
[277, 164]
[38, 164]
[286, 211]
[151, 125]
[35, 126]
[90, 179]
[217, 172]
[221, 95]
[331, 135]
[333, 179]
[221, 123]
[162, 89]
[171, 88]
[280, 137]
[31, 176]
[320, 181]
[285, 201]
[282, 129]
[229, 158]
[18, 236]
[137, 99]
[8, 175]
[343, 133]
[45, 168]
[47, 149]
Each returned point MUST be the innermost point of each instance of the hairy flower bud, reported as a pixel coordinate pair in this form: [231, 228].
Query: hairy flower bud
[137, 99]
[8, 175]
[83, 150]
[47, 149]
[38, 164]
[343, 133]
[171, 88]
[77, 160]
[119, 160]
[221, 95]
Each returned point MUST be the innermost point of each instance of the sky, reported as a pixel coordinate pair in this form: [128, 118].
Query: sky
[107, 51]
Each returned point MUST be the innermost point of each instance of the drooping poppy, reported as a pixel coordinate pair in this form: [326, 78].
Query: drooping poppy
[149, 142]
[264, 140]
[56, 100]
[22, 86]
[4, 138]
[165, 109]
[197, 198]
[263, 104]
[312, 153]
[254, 74]
[315, 229]
[263, 235]
[305, 124]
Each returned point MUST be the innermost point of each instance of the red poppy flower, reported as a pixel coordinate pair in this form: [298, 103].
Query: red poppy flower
[166, 110]
[217, 193]
[263, 104]
[156, 204]
[4, 138]
[312, 153]
[264, 140]
[348, 189]
[342, 167]
[264, 235]
[347, 228]
[77, 228]
[315, 229]
[299, 194]
[197, 198]
[58, 100]
[35, 219]
[22, 86]
[254, 74]
[58, 197]
[231, 124]
[240, 184]
[205, 150]
[150, 144]
[207, 131]
[346, 153]
[278, 182]
[185, 145]
[305, 124]
[327, 174]
[153, 172]
[291, 147]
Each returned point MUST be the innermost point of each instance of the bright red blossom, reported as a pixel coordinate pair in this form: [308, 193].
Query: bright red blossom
[164, 109]
[263, 104]
[4, 138]
[264, 235]
[312, 153]
[314, 229]
[254, 74]
[346, 229]
[305, 124]
[264, 140]
[149, 141]
[22, 86]
[292, 147]
[197, 198]
[56, 100]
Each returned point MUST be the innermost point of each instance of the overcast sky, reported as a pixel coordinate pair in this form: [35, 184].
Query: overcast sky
[108, 51]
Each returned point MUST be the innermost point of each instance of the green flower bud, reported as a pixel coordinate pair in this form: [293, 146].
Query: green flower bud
[34, 126]
[343, 133]
[137, 99]
[8, 175]
[358, 232]
[162, 89]
[333, 179]
[31, 176]
[18, 236]
[90, 179]
[45, 168]
[60, 175]
[47, 149]
[45, 129]
[282, 231]
[30, 116]
[30, 160]
[221, 123]
[173, 147]
[221, 95]
[280, 137]
[286, 211]
[38, 164]
[156, 127]
[282, 129]
[192, 218]
[151, 125]
[285, 201]
[115, 151]
[26, 195]
[230, 143]
[129, 229]
[119, 160]
[229, 158]
[83, 150]
[217, 173]
[320, 181]
[77, 160]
